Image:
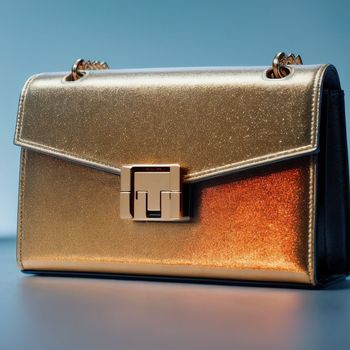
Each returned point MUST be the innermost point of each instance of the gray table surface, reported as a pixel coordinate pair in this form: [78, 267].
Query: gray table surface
[89, 313]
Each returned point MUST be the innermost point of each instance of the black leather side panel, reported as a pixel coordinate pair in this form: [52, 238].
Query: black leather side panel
[332, 238]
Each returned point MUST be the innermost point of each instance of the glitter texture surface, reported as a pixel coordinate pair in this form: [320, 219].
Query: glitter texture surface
[210, 121]
[252, 225]
[258, 221]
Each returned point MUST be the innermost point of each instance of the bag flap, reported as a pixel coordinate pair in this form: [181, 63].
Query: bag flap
[210, 121]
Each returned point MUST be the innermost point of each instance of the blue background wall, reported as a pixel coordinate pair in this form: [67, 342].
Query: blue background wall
[38, 36]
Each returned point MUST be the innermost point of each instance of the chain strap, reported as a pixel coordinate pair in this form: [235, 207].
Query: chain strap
[279, 66]
[80, 66]
[280, 63]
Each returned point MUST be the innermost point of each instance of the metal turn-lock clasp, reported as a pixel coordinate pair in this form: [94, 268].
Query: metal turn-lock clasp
[151, 193]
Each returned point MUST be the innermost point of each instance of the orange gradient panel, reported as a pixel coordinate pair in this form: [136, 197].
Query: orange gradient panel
[256, 221]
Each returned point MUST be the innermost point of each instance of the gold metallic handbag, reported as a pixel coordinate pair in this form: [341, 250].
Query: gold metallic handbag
[205, 173]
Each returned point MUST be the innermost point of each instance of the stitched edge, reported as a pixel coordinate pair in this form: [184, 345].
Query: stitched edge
[63, 154]
[20, 113]
[19, 123]
[21, 208]
[315, 117]
[200, 175]
[310, 255]
[251, 162]
[315, 104]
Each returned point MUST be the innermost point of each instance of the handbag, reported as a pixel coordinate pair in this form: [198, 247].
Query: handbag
[228, 173]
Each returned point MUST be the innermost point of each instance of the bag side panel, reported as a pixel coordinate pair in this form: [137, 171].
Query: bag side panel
[333, 204]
